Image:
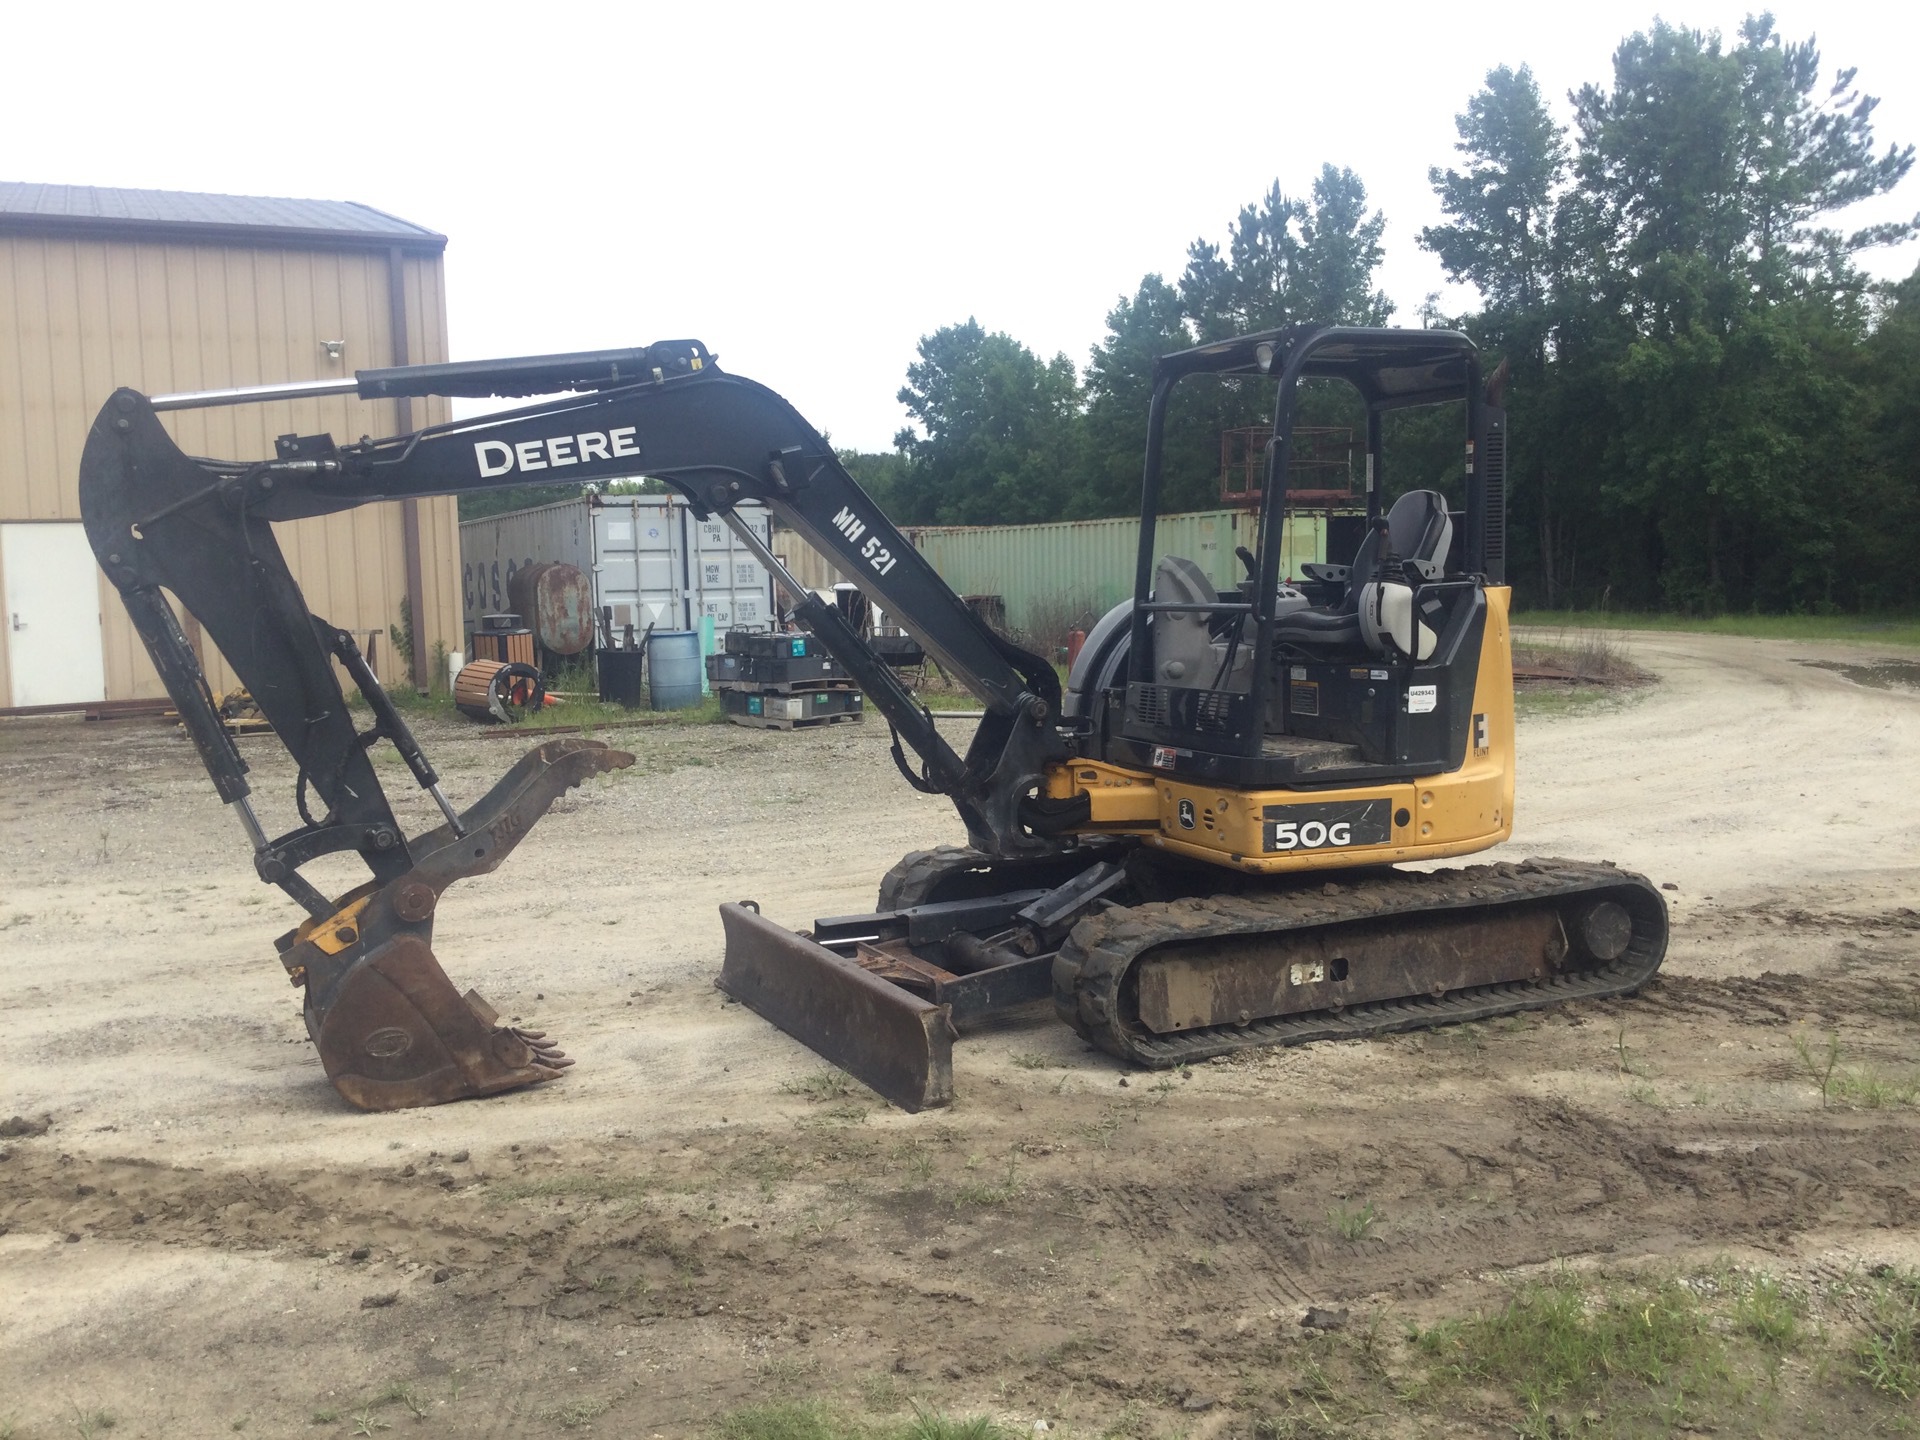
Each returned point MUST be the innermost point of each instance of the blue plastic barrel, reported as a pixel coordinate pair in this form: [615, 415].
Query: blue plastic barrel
[674, 658]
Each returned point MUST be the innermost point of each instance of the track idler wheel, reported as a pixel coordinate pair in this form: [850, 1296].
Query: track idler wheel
[391, 1029]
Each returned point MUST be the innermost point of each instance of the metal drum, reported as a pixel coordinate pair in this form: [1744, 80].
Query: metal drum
[556, 603]
[675, 658]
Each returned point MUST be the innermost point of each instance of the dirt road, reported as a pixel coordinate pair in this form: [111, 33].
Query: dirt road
[700, 1218]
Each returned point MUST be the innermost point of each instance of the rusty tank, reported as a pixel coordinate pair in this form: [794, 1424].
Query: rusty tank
[555, 601]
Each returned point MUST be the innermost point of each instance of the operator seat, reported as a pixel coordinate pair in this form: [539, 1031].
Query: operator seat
[1417, 524]
[1420, 531]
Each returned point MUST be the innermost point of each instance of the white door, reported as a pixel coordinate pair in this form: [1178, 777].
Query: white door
[54, 655]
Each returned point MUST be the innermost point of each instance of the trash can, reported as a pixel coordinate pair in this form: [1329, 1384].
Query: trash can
[620, 677]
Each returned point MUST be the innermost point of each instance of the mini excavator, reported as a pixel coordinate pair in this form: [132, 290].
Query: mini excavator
[1190, 846]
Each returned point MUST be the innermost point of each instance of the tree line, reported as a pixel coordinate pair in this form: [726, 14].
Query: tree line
[1712, 407]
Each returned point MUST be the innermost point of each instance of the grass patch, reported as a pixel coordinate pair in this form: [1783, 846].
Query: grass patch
[569, 1185]
[1887, 1356]
[846, 1115]
[1565, 1341]
[810, 1420]
[802, 1420]
[1552, 699]
[821, 1086]
[1624, 1058]
[576, 1414]
[401, 1393]
[1862, 629]
[916, 1159]
[580, 706]
[1864, 1089]
[595, 714]
[1600, 669]
[1353, 1223]
[1589, 655]
[938, 699]
[931, 1425]
[984, 1194]
[1869, 1090]
[1769, 1312]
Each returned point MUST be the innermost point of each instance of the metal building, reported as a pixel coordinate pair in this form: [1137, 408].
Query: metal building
[168, 291]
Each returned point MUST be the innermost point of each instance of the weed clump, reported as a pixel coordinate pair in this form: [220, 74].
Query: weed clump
[1887, 1356]
[810, 1420]
[821, 1085]
[1353, 1222]
[1560, 1340]
[1864, 1089]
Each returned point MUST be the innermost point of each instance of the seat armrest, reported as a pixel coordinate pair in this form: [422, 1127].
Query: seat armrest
[1327, 574]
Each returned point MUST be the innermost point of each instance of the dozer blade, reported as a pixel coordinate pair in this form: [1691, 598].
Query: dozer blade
[391, 1029]
[886, 1038]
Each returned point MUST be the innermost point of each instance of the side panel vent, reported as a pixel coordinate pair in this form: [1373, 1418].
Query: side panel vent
[1214, 711]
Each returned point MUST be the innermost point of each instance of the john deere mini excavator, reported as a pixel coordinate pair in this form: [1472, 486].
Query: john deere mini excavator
[1188, 847]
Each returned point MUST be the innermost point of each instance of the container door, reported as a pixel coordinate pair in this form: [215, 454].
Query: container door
[638, 565]
[54, 653]
[732, 586]
[677, 609]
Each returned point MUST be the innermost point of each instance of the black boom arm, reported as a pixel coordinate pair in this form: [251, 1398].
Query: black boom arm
[201, 529]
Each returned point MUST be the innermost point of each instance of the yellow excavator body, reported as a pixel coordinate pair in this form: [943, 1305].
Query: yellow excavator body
[1432, 817]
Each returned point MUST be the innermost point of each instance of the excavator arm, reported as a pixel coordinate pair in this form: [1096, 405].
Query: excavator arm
[389, 1025]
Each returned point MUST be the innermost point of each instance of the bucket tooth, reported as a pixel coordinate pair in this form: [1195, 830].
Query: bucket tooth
[891, 1041]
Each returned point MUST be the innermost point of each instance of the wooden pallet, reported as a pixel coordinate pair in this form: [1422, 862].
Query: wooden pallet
[812, 722]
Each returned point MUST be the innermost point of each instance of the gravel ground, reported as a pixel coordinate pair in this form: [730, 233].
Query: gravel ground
[698, 1217]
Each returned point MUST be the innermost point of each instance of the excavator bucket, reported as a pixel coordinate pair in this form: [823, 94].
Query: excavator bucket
[888, 1039]
[391, 1029]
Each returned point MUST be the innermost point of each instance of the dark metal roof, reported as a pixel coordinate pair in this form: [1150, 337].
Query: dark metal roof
[181, 215]
[1388, 367]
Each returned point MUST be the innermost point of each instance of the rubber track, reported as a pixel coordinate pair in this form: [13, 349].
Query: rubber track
[953, 872]
[913, 881]
[1091, 968]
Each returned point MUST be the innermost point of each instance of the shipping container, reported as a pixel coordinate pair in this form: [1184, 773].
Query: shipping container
[1050, 576]
[649, 558]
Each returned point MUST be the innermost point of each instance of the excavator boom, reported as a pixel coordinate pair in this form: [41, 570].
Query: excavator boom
[390, 1027]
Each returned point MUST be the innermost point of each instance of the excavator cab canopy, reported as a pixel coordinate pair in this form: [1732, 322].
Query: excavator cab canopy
[1390, 368]
[1213, 673]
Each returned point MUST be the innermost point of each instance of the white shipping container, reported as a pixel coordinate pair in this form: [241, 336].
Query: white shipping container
[648, 557]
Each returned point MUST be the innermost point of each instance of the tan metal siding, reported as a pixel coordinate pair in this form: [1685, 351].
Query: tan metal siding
[79, 317]
[439, 518]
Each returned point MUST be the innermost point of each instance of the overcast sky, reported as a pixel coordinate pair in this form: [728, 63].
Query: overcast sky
[811, 189]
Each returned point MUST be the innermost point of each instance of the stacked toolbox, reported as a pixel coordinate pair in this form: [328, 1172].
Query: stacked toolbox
[782, 681]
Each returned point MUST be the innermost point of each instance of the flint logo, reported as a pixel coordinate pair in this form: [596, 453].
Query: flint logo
[1186, 814]
[496, 457]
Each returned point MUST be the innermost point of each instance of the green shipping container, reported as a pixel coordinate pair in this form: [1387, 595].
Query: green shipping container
[1054, 577]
